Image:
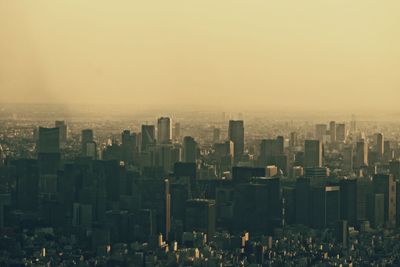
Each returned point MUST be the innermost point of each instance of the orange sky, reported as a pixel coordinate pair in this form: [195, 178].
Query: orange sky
[333, 53]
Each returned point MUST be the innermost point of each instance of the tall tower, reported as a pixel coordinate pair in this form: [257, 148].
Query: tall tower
[49, 140]
[189, 149]
[380, 148]
[332, 131]
[313, 153]
[340, 132]
[164, 130]
[236, 135]
[86, 137]
[148, 136]
[361, 154]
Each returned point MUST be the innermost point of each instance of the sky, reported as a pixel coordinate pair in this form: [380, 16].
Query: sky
[336, 54]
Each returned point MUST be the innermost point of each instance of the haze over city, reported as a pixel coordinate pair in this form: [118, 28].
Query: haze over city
[224, 54]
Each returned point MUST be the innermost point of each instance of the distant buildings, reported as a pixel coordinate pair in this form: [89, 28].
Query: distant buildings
[236, 135]
[164, 130]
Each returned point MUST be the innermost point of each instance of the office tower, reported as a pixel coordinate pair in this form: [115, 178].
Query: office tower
[375, 209]
[128, 146]
[86, 137]
[353, 124]
[148, 137]
[62, 126]
[364, 188]
[200, 216]
[293, 140]
[313, 153]
[27, 184]
[249, 214]
[164, 130]
[388, 153]
[189, 149]
[361, 157]
[348, 200]
[224, 156]
[325, 206]
[394, 168]
[303, 201]
[386, 185]
[267, 149]
[236, 135]
[216, 135]
[340, 132]
[380, 146]
[332, 131]
[348, 158]
[49, 140]
[48, 149]
[177, 131]
[155, 195]
[279, 148]
[320, 131]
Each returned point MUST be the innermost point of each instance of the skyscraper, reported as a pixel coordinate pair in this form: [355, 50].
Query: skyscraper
[49, 140]
[164, 130]
[313, 153]
[361, 154]
[177, 131]
[189, 149]
[386, 185]
[340, 132]
[236, 135]
[148, 136]
[86, 137]
[128, 146]
[200, 216]
[380, 146]
[332, 131]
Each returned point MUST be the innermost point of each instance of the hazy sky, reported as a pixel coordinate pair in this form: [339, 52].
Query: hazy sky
[225, 53]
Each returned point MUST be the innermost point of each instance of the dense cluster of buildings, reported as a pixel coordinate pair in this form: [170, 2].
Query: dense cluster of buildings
[157, 198]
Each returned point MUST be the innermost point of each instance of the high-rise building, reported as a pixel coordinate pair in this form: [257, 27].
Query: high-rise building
[380, 146]
[348, 201]
[177, 131]
[49, 140]
[386, 185]
[375, 209]
[189, 149]
[236, 135]
[63, 131]
[148, 137]
[348, 156]
[325, 206]
[164, 130]
[361, 157]
[332, 131]
[128, 146]
[340, 132]
[313, 153]
[86, 137]
[303, 201]
[200, 216]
